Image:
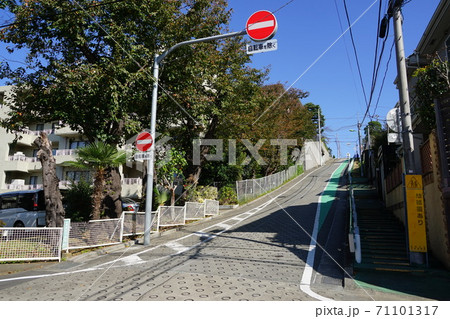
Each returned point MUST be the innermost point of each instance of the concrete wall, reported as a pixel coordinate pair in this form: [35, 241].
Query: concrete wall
[395, 202]
[436, 220]
[310, 155]
[437, 232]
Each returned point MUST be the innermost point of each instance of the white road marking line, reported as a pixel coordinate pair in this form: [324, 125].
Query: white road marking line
[132, 260]
[224, 226]
[305, 284]
[205, 235]
[101, 266]
[175, 245]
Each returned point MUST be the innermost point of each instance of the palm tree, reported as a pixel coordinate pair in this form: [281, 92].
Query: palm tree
[98, 156]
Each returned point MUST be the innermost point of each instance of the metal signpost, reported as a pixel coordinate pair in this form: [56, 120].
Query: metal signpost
[257, 28]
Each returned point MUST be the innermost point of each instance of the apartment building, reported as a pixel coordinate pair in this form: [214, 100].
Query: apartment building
[21, 170]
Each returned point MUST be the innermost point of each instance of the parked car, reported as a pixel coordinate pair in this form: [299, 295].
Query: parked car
[23, 208]
[129, 205]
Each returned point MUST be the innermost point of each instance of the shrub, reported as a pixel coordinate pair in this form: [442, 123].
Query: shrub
[200, 193]
[78, 201]
[227, 196]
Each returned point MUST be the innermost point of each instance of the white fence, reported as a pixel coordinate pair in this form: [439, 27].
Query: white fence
[95, 233]
[47, 243]
[194, 211]
[251, 188]
[134, 223]
[30, 244]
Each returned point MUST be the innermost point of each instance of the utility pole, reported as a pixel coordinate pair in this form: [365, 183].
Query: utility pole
[408, 141]
[338, 147]
[407, 133]
[320, 138]
[151, 161]
[360, 149]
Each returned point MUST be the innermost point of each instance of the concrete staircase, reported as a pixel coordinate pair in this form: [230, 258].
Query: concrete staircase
[383, 238]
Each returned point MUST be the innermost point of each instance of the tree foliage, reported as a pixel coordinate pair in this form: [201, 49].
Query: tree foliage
[377, 133]
[314, 109]
[432, 82]
[169, 171]
[100, 157]
[89, 63]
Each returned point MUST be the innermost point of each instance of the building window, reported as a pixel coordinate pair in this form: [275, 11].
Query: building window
[55, 126]
[77, 176]
[2, 98]
[40, 127]
[77, 144]
[33, 180]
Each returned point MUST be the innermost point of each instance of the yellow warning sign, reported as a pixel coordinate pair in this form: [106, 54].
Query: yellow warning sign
[416, 213]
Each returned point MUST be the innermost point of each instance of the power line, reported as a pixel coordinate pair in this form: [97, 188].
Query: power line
[354, 50]
[346, 49]
[384, 77]
[377, 66]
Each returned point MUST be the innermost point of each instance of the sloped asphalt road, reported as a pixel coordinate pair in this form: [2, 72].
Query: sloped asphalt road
[256, 252]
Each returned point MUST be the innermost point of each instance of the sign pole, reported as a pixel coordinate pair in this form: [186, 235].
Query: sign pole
[263, 30]
[151, 161]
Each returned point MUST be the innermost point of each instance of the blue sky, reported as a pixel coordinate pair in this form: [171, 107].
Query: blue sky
[307, 29]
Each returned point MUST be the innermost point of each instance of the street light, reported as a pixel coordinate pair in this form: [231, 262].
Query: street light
[150, 163]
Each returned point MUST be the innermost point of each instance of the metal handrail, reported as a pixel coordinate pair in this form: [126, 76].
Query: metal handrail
[354, 237]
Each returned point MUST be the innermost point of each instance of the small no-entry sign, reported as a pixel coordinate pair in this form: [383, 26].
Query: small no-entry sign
[261, 26]
[144, 141]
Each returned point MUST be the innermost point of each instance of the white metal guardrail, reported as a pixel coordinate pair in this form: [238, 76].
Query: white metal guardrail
[95, 233]
[195, 210]
[46, 243]
[251, 188]
[134, 223]
[26, 243]
[354, 237]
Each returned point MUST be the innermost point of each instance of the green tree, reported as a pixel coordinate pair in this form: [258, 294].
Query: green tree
[78, 200]
[89, 66]
[432, 82]
[170, 170]
[376, 129]
[314, 110]
[276, 114]
[98, 156]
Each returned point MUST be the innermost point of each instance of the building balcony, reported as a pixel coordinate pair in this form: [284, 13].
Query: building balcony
[66, 132]
[64, 155]
[21, 163]
[131, 187]
[28, 136]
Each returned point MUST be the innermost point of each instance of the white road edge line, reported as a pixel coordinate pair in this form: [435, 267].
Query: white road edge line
[305, 283]
[101, 266]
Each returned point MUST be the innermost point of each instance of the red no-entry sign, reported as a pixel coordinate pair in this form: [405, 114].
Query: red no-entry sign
[144, 141]
[261, 25]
